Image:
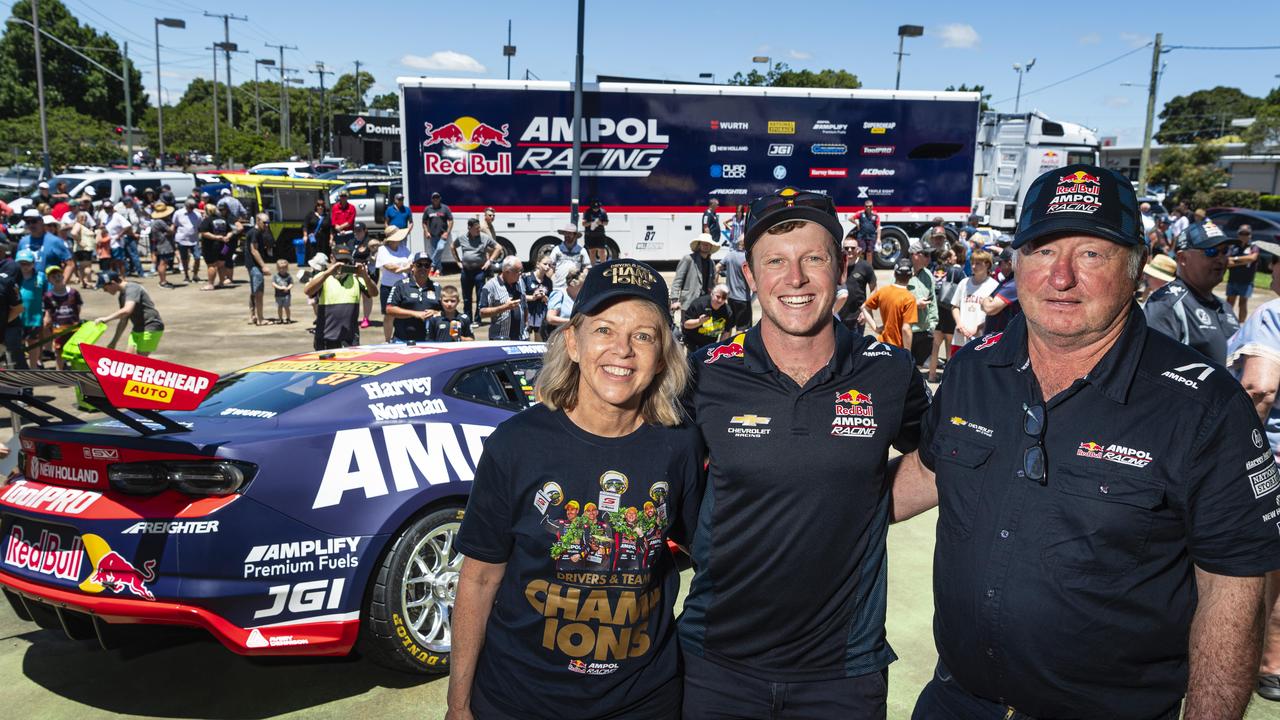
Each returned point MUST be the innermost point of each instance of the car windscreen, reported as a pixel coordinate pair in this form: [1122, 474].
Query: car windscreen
[264, 394]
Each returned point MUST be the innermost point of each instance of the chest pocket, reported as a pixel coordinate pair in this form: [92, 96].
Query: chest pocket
[960, 464]
[1100, 519]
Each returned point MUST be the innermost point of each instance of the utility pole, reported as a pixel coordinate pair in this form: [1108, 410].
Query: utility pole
[44, 123]
[326, 146]
[509, 50]
[257, 101]
[284, 95]
[217, 150]
[1144, 161]
[359, 97]
[171, 23]
[576, 181]
[227, 47]
[128, 106]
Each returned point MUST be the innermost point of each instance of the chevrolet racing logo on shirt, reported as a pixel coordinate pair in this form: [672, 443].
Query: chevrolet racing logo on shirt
[961, 422]
[750, 426]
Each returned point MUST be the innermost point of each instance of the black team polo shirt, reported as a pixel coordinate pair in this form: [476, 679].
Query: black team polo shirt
[790, 541]
[1074, 598]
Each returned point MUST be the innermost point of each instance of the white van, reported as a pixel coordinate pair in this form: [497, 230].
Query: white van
[111, 184]
[291, 168]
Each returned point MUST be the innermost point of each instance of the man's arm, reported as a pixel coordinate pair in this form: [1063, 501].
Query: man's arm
[257, 256]
[317, 281]
[993, 305]
[1226, 635]
[1261, 378]
[914, 487]
[478, 583]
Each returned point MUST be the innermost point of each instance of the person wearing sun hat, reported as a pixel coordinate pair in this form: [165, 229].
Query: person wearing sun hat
[162, 242]
[568, 255]
[1103, 492]
[695, 273]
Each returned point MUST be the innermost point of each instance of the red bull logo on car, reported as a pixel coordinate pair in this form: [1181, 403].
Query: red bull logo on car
[112, 572]
[1077, 191]
[457, 140]
[855, 415]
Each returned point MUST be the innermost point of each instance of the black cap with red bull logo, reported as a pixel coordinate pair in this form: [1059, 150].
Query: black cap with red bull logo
[1084, 199]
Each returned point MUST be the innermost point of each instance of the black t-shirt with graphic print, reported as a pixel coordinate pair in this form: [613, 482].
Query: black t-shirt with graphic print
[583, 623]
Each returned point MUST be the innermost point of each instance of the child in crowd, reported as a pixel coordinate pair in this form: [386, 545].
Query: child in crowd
[283, 284]
[61, 310]
[31, 290]
[450, 325]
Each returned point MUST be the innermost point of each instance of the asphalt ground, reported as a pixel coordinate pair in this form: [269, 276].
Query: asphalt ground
[175, 673]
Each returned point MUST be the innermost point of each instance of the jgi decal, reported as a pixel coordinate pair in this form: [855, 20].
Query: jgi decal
[304, 597]
[855, 415]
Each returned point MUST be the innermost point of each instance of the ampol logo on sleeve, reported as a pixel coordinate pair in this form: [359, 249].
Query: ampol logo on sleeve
[135, 382]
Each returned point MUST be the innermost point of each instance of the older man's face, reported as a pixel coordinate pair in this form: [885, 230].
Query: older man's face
[1074, 287]
[510, 276]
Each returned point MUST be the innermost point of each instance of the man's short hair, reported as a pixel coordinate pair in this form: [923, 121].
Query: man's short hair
[981, 256]
[511, 262]
[472, 222]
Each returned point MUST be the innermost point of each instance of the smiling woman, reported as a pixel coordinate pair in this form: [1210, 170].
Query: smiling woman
[568, 521]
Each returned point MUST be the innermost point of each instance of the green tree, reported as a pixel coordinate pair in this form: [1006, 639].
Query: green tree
[1204, 115]
[386, 101]
[982, 92]
[1193, 169]
[251, 148]
[783, 76]
[69, 80]
[73, 138]
[342, 96]
[1265, 130]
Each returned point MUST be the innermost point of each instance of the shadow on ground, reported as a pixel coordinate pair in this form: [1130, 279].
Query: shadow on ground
[180, 674]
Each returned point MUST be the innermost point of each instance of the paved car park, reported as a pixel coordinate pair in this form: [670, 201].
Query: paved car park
[174, 673]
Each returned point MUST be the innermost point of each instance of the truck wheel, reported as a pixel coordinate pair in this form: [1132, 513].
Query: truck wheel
[541, 249]
[893, 245]
[408, 614]
[507, 248]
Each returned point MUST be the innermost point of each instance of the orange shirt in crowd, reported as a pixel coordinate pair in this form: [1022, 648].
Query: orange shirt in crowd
[897, 306]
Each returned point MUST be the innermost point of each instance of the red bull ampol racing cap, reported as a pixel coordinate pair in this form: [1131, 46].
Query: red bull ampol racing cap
[622, 278]
[1084, 199]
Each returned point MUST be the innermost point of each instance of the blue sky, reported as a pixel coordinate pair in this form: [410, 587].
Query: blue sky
[678, 40]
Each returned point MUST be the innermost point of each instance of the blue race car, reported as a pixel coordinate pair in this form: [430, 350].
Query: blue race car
[307, 506]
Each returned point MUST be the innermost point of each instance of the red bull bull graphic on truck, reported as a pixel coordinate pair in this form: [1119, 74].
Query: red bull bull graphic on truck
[855, 415]
[1076, 192]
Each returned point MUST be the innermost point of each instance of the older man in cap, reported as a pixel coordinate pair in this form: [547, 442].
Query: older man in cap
[568, 255]
[1091, 563]
[1186, 309]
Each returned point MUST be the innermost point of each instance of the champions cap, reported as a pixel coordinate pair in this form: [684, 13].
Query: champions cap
[622, 278]
[1084, 199]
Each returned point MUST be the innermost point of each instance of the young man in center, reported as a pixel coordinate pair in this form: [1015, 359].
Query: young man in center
[785, 615]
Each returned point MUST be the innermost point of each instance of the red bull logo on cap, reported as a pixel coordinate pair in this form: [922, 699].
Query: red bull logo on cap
[465, 134]
[112, 572]
[1077, 191]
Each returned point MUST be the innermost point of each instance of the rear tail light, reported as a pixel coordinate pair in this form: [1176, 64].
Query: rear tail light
[200, 477]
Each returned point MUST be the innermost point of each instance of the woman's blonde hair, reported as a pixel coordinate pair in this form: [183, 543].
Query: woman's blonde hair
[557, 383]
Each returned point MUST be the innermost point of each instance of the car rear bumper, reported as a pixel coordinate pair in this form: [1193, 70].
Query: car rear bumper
[53, 607]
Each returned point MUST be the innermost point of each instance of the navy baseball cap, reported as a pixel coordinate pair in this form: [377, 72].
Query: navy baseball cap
[1201, 236]
[790, 204]
[421, 256]
[615, 279]
[1084, 199]
[106, 277]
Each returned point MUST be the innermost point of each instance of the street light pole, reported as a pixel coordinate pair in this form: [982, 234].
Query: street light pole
[1144, 160]
[128, 106]
[44, 123]
[1021, 70]
[217, 148]
[169, 23]
[905, 31]
[576, 182]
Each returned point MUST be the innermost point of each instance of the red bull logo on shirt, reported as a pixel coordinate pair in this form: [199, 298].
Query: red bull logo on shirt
[855, 415]
[457, 140]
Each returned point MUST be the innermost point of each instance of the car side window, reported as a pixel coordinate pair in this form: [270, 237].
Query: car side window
[101, 188]
[1229, 223]
[480, 385]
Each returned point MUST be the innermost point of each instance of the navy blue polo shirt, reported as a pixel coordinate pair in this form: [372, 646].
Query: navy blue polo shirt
[1074, 598]
[790, 542]
[409, 295]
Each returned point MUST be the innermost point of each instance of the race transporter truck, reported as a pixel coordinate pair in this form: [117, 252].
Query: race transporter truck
[654, 154]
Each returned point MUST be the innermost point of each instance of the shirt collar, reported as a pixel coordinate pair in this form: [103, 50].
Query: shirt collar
[757, 360]
[1113, 375]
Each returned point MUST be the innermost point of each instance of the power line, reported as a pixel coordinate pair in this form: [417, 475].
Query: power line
[1116, 59]
[1222, 47]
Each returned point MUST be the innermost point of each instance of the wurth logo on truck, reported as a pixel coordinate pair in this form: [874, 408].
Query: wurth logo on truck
[623, 147]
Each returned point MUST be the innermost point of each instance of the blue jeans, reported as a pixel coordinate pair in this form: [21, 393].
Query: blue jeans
[472, 281]
[437, 251]
[133, 262]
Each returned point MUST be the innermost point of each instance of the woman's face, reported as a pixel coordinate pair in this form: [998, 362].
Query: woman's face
[619, 353]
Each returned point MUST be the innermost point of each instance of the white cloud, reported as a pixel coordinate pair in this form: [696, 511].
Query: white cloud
[959, 35]
[799, 55]
[1134, 40]
[762, 49]
[1117, 101]
[444, 60]
[1092, 38]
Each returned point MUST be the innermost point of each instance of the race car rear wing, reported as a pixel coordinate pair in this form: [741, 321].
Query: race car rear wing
[17, 394]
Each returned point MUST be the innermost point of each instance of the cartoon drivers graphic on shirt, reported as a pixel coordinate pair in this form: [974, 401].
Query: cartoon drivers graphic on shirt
[628, 537]
[652, 528]
[569, 548]
[598, 537]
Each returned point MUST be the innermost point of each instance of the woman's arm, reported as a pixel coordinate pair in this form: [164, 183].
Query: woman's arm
[477, 586]
[1260, 378]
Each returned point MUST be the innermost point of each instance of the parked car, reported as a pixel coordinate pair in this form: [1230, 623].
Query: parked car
[307, 506]
[1265, 225]
[111, 184]
[287, 200]
[293, 169]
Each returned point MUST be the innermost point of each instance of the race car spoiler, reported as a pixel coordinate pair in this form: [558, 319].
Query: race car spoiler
[17, 394]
